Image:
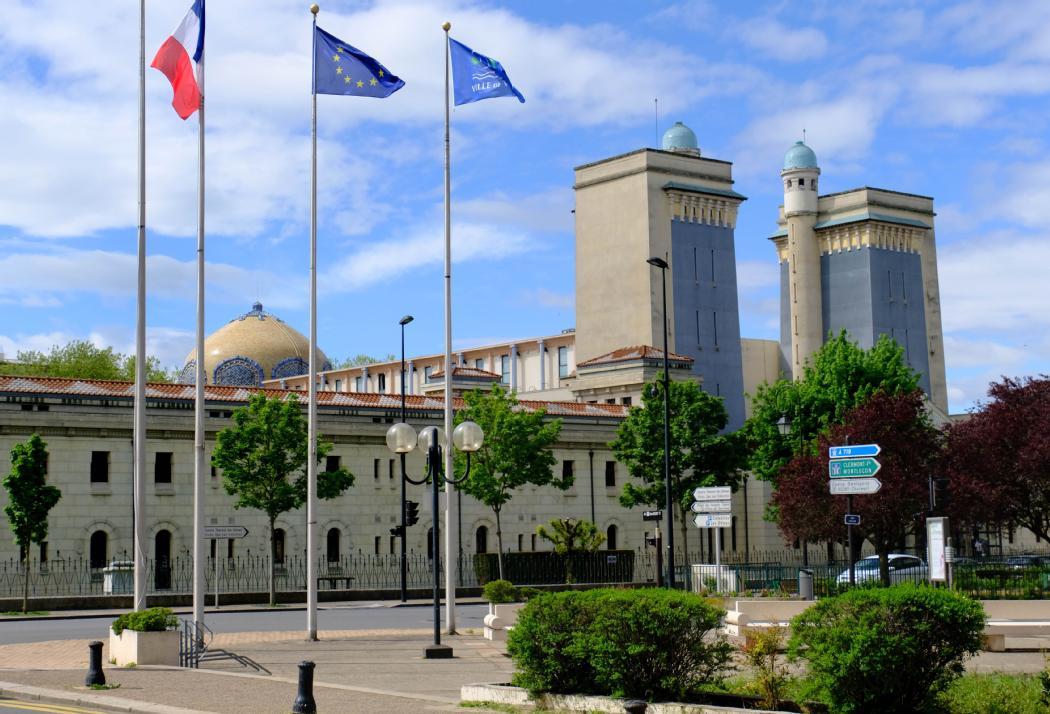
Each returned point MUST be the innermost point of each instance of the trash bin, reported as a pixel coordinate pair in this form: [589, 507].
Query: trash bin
[805, 584]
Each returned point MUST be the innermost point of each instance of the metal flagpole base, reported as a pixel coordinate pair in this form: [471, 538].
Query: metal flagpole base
[437, 652]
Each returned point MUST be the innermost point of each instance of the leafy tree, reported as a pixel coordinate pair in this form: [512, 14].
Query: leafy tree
[516, 452]
[910, 448]
[30, 499]
[263, 460]
[569, 535]
[81, 359]
[701, 455]
[998, 461]
[363, 359]
[841, 377]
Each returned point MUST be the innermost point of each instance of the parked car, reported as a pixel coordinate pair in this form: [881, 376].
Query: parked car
[1026, 561]
[903, 569]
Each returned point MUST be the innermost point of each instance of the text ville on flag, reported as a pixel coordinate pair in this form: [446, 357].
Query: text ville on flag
[476, 77]
[340, 68]
[181, 59]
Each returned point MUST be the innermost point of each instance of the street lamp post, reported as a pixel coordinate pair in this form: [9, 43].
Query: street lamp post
[662, 265]
[401, 439]
[404, 516]
[784, 427]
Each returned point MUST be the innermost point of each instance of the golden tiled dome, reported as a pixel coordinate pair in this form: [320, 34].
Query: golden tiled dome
[251, 348]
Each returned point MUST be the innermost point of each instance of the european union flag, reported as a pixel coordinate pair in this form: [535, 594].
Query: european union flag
[477, 77]
[340, 68]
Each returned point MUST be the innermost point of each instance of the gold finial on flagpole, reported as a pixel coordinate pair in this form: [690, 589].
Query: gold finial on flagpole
[447, 26]
[315, 8]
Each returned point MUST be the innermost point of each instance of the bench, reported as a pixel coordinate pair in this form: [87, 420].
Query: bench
[333, 576]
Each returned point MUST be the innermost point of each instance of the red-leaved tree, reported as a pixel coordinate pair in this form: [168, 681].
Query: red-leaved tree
[998, 461]
[910, 448]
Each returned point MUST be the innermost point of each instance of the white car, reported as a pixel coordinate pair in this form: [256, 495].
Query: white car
[903, 569]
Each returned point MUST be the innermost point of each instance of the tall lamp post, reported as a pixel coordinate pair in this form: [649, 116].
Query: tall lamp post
[404, 516]
[662, 265]
[784, 427]
[401, 439]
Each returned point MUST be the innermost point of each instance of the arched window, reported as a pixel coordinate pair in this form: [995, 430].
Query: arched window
[162, 560]
[481, 540]
[610, 537]
[430, 543]
[333, 545]
[278, 546]
[97, 552]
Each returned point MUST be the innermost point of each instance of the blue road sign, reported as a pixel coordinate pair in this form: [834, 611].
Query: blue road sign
[852, 519]
[846, 452]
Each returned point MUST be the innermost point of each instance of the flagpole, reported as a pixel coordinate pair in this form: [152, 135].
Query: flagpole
[139, 438]
[311, 459]
[198, 402]
[451, 534]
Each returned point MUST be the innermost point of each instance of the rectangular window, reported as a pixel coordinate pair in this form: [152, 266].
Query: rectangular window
[712, 265]
[393, 544]
[211, 548]
[521, 542]
[533, 541]
[626, 401]
[43, 552]
[563, 362]
[229, 547]
[610, 474]
[479, 363]
[214, 472]
[357, 384]
[904, 290]
[162, 467]
[338, 385]
[696, 270]
[331, 463]
[504, 364]
[390, 468]
[99, 467]
[611, 400]
[714, 322]
[697, 328]
[427, 371]
[379, 540]
[381, 383]
[889, 284]
[566, 469]
[375, 470]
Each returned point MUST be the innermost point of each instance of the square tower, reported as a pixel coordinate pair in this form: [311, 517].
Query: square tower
[676, 205]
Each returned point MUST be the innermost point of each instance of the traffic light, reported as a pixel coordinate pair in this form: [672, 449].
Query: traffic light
[941, 496]
[397, 531]
[411, 513]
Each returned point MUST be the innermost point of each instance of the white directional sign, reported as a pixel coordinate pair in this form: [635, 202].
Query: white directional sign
[225, 532]
[713, 520]
[851, 486]
[712, 506]
[713, 493]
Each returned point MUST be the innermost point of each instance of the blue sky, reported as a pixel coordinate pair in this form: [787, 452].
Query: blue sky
[941, 99]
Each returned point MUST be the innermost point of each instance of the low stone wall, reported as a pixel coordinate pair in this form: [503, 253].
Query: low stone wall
[516, 696]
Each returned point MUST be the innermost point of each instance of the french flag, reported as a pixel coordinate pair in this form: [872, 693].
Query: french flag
[181, 59]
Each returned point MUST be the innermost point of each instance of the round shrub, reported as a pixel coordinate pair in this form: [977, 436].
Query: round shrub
[647, 643]
[886, 649]
[499, 591]
[154, 619]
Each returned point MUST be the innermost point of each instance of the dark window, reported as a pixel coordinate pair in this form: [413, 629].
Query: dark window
[381, 382]
[162, 467]
[97, 550]
[331, 463]
[375, 468]
[504, 366]
[610, 537]
[333, 545]
[278, 546]
[481, 540]
[99, 467]
[521, 542]
[566, 469]
[338, 385]
[626, 401]
[379, 542]
[229, 548]
[211, 549]
[479, 363]
[611, 400]
[393, 545]
[563, 362]
[162, 560]
[390, 468]
[430, 543]
[733, 532]
[533, 537]
[714, 322]
[214, 472]
[43, 552]
[610, 473]
[357, 384]
[427, 371]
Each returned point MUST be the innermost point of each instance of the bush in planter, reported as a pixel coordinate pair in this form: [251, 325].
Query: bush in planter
[154, 619]
[886, 649]
[499, 591]
[645, 643]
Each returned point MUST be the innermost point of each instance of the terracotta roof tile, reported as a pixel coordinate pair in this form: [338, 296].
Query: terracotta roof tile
[632, 354]
[472, 372]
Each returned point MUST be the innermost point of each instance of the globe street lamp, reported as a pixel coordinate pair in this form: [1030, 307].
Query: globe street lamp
[404, 516]
[662, 265]
[401, 439]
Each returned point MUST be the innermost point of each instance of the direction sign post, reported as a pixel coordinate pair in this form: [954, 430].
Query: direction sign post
[711, 507]
[712, 493]
[849, 451]
[713, 520]
[854, 486]
[853, 468]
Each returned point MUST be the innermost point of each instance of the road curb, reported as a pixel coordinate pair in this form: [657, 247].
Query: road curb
[55, 696]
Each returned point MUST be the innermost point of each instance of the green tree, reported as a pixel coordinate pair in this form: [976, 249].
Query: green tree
[30, 499]
[516, 452]
[841, 377]
[363, 359]
[569, 535]
[81, 359]
[701, 455]
[263, 459]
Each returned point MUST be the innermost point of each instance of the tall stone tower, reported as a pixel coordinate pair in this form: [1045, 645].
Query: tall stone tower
[680, 206]
[864, 261]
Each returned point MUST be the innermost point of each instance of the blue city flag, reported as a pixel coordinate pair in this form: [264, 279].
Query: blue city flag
[340, 68]
[477, 77]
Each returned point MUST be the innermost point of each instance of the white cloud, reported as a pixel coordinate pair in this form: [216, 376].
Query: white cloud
[169, 345]
[757, 275]
[549, 210]
[549, 298]
[790, 44]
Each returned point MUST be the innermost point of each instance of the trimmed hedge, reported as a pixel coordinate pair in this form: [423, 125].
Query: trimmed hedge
[155, 619]
[886, 649]
[647, 643]
[549, 568]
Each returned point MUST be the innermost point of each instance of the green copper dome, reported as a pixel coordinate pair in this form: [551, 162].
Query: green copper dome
[679, 137]
[800, 156]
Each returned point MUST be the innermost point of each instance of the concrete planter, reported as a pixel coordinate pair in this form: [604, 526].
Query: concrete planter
[144, 647]
[501, 618]
[516, 696]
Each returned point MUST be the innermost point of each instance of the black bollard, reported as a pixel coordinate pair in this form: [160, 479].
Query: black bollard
[304, 699]
[635, 706]
[95, 674]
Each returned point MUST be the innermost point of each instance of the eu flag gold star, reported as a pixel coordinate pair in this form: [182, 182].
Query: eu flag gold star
[380, 73]
[339, 50]
[360, 83]
[335, 58]
[373, 81]
[347, 79]
[474, 59]
[338, 70]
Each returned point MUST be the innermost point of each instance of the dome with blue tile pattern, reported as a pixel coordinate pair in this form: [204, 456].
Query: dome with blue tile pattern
[251, 348]
[680, 138]
[800, 156]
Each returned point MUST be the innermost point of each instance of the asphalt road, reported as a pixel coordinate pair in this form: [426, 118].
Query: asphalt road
[17, 706]
[363, 616]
